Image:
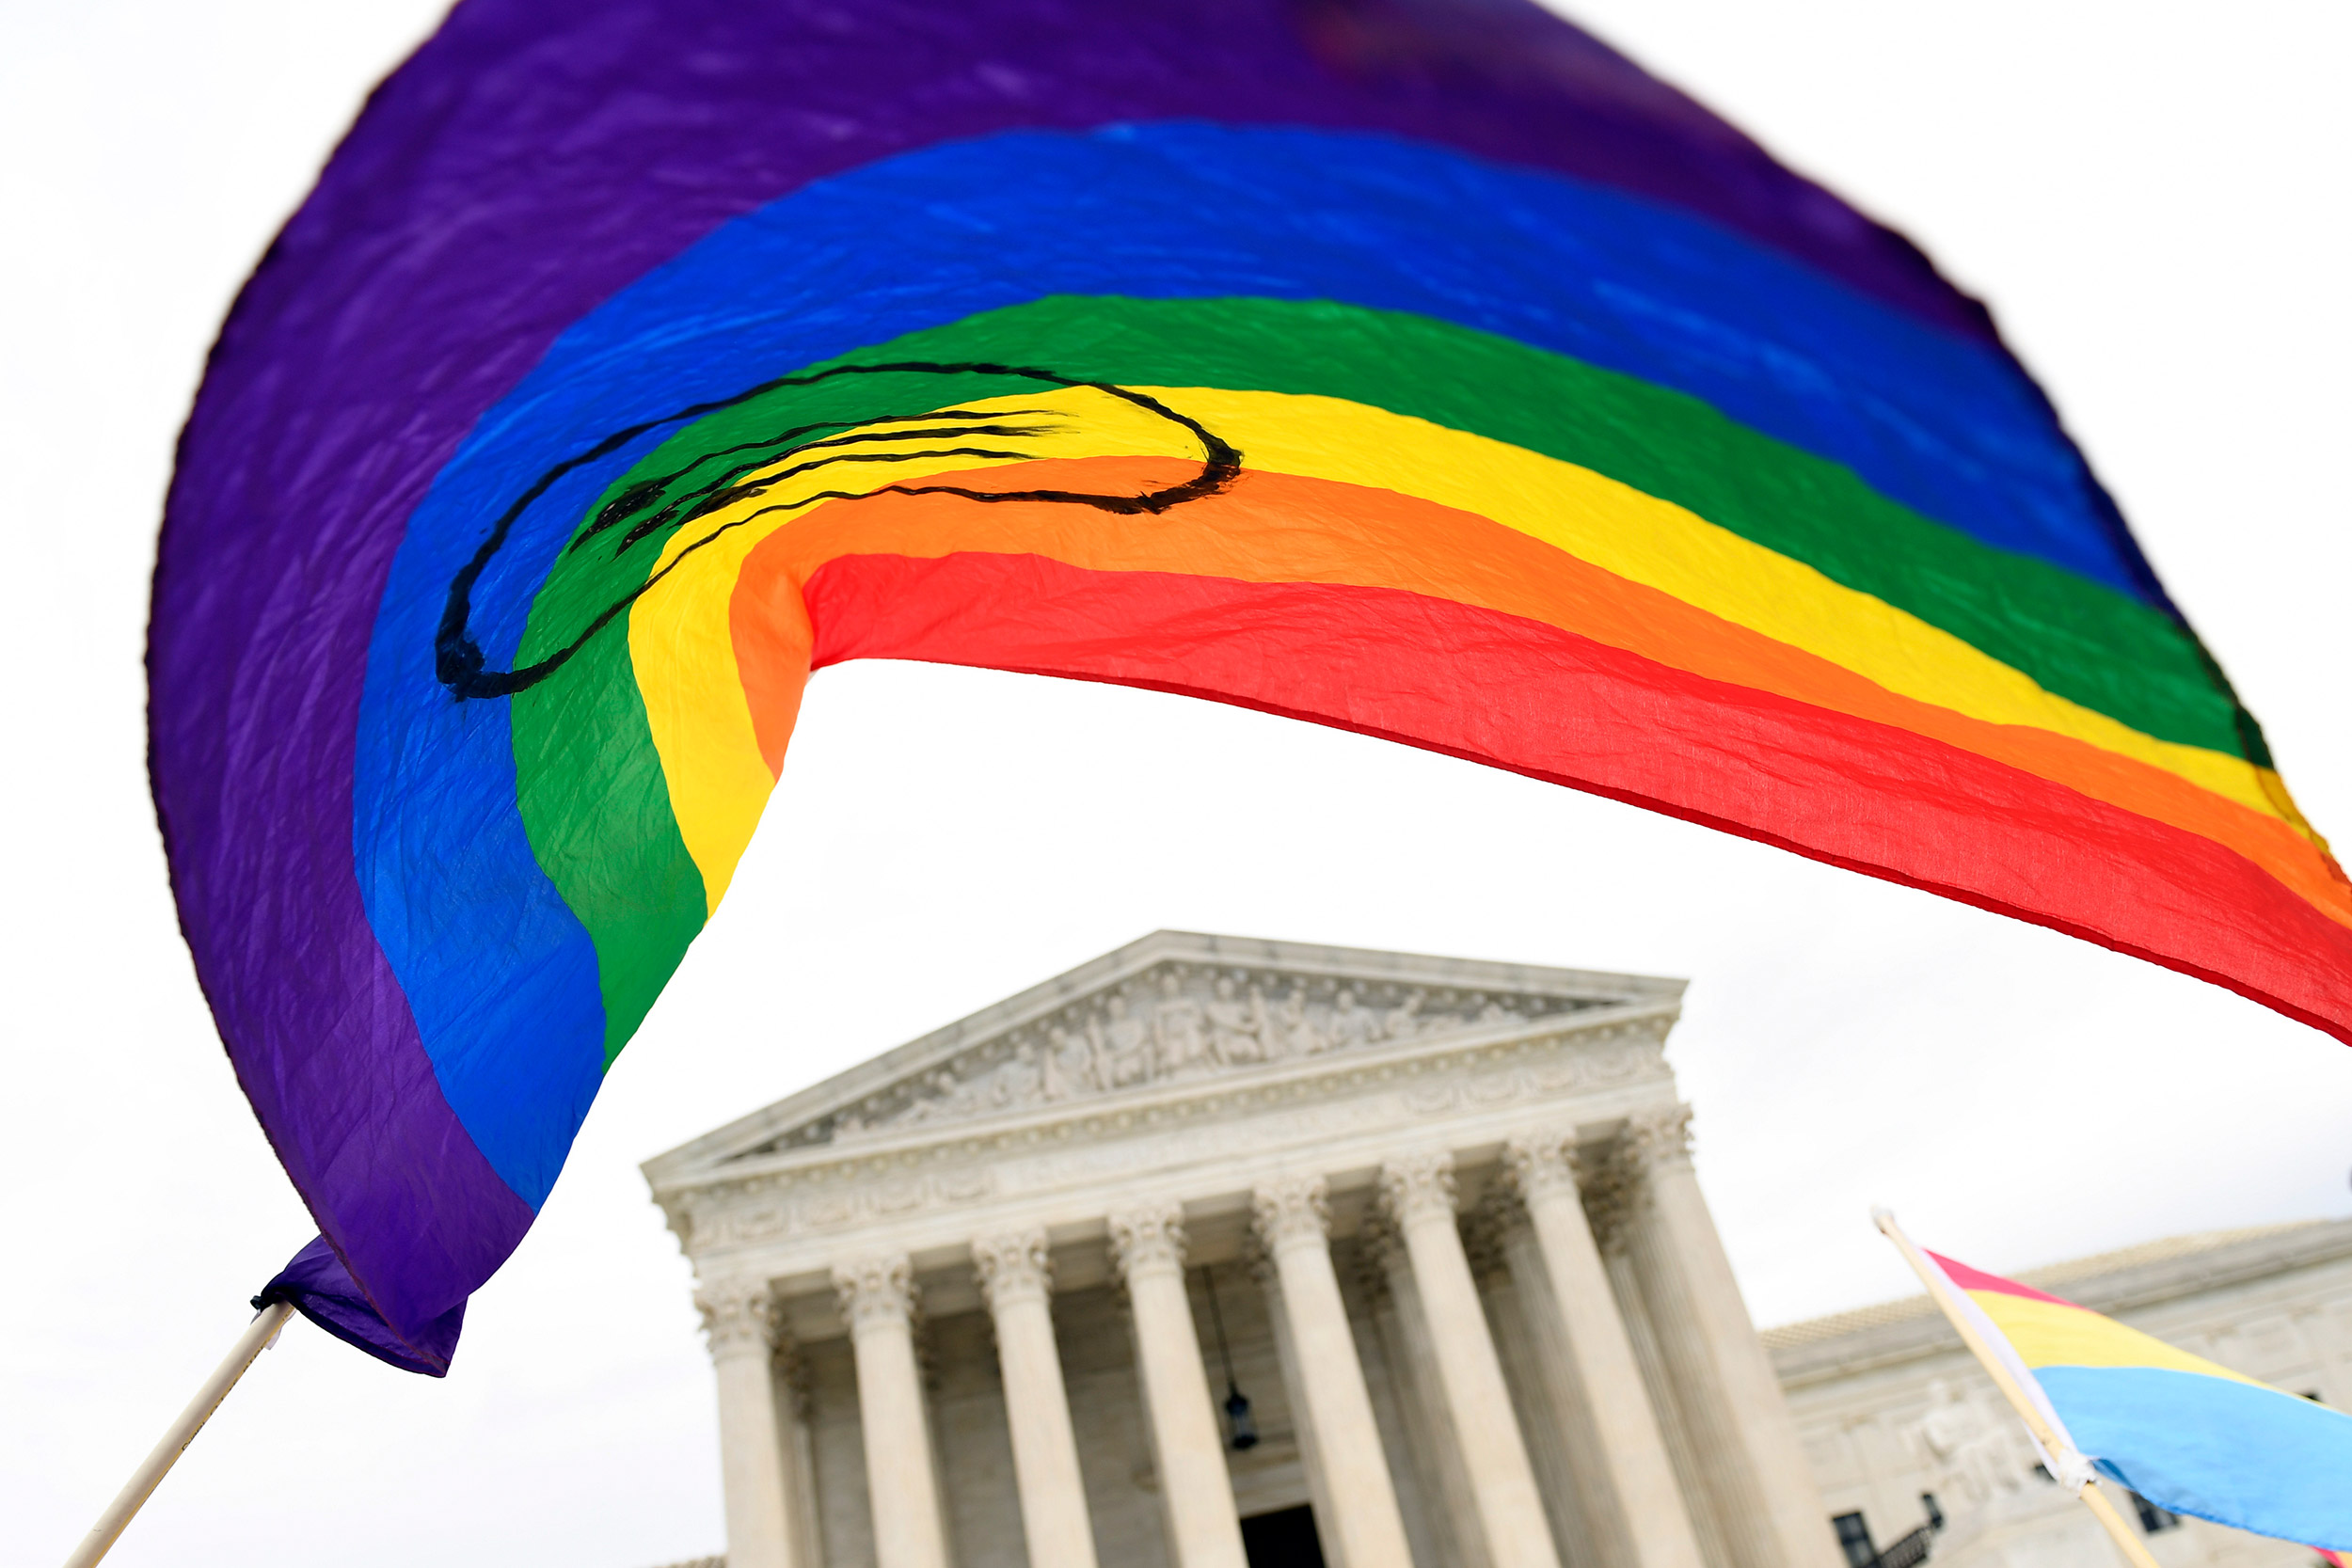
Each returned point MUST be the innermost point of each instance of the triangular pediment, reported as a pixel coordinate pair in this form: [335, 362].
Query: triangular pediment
[1177, 1007]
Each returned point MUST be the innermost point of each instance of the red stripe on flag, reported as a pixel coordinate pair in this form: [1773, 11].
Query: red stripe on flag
[1522, 695]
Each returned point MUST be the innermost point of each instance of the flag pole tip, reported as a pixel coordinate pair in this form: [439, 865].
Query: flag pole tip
[1881, 1216]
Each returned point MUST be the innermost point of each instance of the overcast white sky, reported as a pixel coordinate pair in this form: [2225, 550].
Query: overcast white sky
[2151, 195]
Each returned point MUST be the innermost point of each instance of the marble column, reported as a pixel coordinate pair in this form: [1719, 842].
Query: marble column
[756, 1465]
[1408, 1421]
[878, 1298]
[800, 1446]
[1319, 1494]
[1613, 1431]
[1294, 1227]
[1500, 1242]
[1418, 1192]
[1722, 1484]
[1777, 1520]
[1450, 1506]
[1016, 1279]
[1203, 1524]
[1614, 1196]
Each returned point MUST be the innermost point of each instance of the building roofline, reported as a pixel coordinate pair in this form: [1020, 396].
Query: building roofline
[1123, 963]
[2112, 1282]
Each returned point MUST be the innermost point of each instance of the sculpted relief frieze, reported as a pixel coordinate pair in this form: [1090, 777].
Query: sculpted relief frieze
[1173, 1024]
[1103, 1145]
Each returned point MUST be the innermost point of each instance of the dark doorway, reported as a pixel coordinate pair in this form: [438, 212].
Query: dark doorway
[1853, 1534]
[1286, 1539]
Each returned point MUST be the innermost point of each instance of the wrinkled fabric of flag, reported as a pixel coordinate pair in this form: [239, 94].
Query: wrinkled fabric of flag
[1421, 368]
[2186, 1433]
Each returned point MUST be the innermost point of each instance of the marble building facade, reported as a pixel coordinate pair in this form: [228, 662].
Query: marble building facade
[1892, 1412]
[995, 1296]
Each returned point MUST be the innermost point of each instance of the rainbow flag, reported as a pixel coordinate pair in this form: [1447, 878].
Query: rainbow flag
[1417, 367]
[2181, 1431]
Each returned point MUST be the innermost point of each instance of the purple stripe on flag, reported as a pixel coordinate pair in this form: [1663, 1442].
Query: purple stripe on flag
[316, 1282]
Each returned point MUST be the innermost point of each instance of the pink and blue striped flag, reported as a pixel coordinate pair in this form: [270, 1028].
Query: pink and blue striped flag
[2182, 1431]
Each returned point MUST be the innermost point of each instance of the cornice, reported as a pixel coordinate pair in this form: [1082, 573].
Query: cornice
[1589, 1052]
[1029, 1010]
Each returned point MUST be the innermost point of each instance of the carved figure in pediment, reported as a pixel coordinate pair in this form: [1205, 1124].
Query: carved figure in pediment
[1068, 1068]
[1349, 1025]
[1299, 1030]
[942, 1086]
[1496, 1013]
[1020, 1081]
[1294, 1033]
[1405, 1020]
[1126, 1046]
[1178, 1023]
[1236, 1024]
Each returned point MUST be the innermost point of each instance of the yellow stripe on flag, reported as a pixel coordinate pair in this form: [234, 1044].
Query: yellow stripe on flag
[2053, 1333]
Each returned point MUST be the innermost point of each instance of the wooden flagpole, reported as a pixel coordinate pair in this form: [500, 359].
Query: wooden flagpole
[2135, 1549]
[151, 1473]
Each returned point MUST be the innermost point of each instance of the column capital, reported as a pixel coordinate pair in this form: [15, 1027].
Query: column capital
[1613, 1195]
[1544, 1164]
[1659, 1140]
[1015, 1266]
[1415, 1187]
[879, 1288]
[740, 1317]
[1260, 1260]
[1379, 1253]
[1487, 1229]
[1147, 1238]
[1291, 1209]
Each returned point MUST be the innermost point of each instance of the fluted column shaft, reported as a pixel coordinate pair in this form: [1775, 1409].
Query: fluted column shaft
[1452, 1505]
[1790, 1526]
[1203, 1524]
[1294, 1227]
[1398, 1404]
[1419, 1193]
[1319, 1495]
[1644, 1502]
[1016, 1278]
[740, 1322]
[1733, 1493]
[878, 1298]
[1611, 1210]
[1504, 1261]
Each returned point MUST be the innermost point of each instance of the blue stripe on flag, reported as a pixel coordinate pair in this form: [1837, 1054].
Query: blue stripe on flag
[2233, 1453]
